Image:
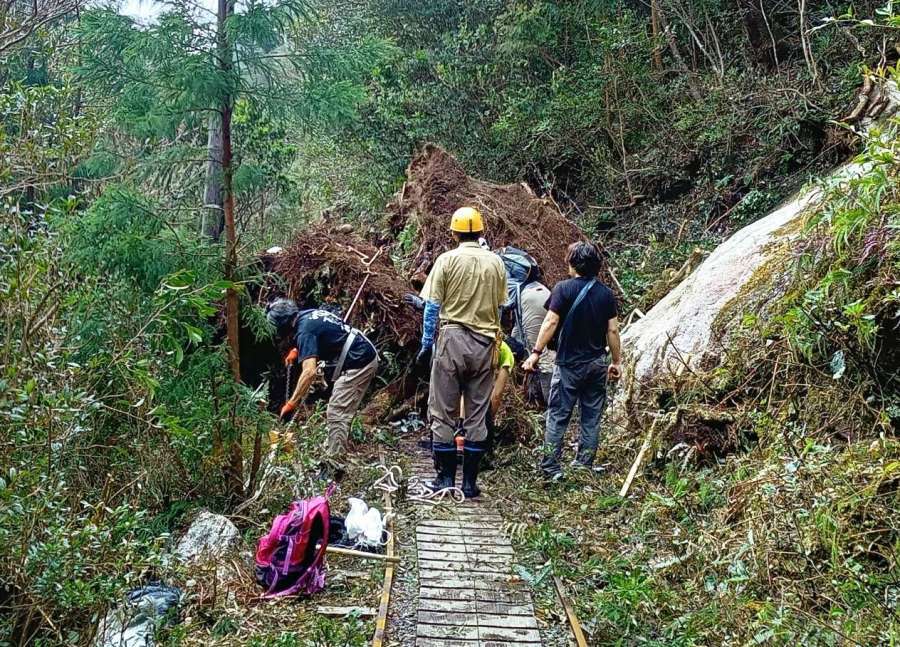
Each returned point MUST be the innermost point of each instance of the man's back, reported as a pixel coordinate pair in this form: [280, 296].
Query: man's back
[582, 339]
[532, 301]
[322, 334]
[470, 284]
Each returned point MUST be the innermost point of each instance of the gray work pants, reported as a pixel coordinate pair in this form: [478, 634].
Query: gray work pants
[462, 366]
[582, 384]
[343, 404]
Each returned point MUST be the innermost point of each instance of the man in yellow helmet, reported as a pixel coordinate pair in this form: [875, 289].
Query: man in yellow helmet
[463, 292]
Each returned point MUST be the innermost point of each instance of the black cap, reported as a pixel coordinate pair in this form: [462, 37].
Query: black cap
[281, 313]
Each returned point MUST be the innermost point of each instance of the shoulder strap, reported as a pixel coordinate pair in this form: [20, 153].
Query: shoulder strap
[568, 321]
[339, 367]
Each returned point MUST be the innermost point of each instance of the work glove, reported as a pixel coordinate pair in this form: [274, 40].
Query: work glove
[414, 300]
[423, 360]
[291, 357]
[286, 411]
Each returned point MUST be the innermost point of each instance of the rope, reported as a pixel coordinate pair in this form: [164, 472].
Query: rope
[416, 489]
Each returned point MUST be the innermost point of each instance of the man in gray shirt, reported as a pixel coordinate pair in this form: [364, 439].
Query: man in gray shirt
[533, 298]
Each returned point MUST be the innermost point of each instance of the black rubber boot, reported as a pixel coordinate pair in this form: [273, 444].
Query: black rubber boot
[445, 463]
[471, 465]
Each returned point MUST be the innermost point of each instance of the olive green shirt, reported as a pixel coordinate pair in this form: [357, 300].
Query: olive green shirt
[469, 283]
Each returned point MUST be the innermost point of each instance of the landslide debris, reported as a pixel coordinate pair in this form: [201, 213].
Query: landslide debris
[437, 184]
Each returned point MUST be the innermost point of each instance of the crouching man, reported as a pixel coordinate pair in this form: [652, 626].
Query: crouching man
[351, 362]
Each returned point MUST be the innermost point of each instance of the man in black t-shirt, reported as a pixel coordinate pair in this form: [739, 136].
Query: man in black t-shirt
[581, 320]
[351, 362]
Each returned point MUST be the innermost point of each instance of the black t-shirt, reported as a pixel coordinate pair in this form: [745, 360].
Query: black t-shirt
[585, 337]
[321, 334]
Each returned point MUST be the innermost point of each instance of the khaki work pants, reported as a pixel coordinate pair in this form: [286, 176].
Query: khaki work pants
[343, 404]
[462, 366]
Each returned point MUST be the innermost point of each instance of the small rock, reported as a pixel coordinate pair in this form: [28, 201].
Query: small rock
[210, 536]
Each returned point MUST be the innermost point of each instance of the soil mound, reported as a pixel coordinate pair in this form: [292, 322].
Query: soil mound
[324, 266]
[437, 185]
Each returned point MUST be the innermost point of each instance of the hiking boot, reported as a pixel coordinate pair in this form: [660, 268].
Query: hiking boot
[471, 463]
[445, 464]
[587, 467]
[553, 479]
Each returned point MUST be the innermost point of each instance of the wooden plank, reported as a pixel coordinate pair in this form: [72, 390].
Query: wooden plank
[469, 566]
[437, 642]
[482, 550]
[361, 554]
[481, 597]
[450, 618]
[476, 620]
[381, 621]
[508, 635]
[442, 593]
[461, 579]
[457, 524]
[461, 535]
[477, 557]
[507, 621]
[504, 608]
[444, 631]
[456, 606]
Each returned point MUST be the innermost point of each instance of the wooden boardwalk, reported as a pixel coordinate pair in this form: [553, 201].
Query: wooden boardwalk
[468, 593]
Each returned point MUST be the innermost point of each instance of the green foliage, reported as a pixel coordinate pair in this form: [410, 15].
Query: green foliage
[843, 299]
[126, 236]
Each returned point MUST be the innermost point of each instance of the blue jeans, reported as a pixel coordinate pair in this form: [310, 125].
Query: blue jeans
[582, 384]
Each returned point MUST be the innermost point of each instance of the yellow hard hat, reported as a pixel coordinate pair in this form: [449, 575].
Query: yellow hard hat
[466, 220]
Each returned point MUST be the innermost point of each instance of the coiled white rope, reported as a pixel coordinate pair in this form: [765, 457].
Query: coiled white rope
[416, 489]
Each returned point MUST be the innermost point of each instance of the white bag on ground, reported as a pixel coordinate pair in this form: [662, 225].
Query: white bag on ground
[365, 525]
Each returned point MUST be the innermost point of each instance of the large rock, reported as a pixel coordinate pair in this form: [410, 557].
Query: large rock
[210, 537]
[679, 329]
[678, 332]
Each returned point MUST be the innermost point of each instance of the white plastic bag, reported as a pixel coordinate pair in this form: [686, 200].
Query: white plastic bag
[365, 526]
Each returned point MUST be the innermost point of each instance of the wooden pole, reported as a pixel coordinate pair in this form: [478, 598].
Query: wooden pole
[637, 461]
[381, 621]
[349, 552]
[570, 613]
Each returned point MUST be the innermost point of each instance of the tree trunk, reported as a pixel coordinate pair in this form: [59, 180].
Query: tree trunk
[231, 297]
[655, 30]
[755, 26]
[235, 461]
[676, 53]
[213, 221]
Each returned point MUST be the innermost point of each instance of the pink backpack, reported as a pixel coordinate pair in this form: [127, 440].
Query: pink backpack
[287, 560]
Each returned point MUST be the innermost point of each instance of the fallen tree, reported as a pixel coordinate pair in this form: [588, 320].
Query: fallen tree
[436, 185]
[335, 266]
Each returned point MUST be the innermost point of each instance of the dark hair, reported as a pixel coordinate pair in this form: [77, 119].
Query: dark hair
[584, 258]
[468, 236]
[281, 314]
